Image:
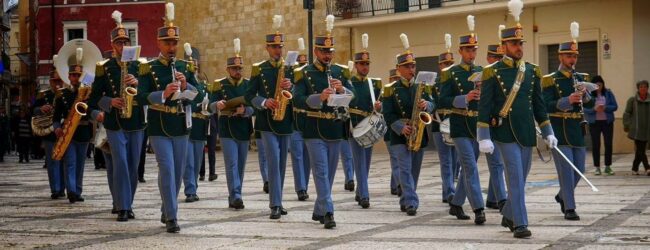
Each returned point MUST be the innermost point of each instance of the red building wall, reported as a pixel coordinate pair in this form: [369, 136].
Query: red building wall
[97, 13]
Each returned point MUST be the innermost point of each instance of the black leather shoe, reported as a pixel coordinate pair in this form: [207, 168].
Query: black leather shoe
[399, 191]
[61, 194]
[393, 191]
[522, 232]
[402, 208]
[213, 177]
[238, 204]
[559, 200]
[141, 180]
[122, 216]
[302, 195]
[130, 214]
[266, 187]
[571, 215]
[492, 205]
[458, 212]
[114, 211]
[172, 226]
[505, 222]
[276, 213]
[501, 204]
[349, 185]
[191, 198]
[411, 211]
[445, 201]
[318, 218]
[72, 198]
[364, 203]
[202, 178]
[328, 220]
[479, 216]
[163, 220]
[357, 198]
[79, 198]
[54, 196]
[283, 211]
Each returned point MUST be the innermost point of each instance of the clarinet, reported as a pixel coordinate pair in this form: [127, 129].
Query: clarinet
[180, 108]
[341, 113]
[576, 87]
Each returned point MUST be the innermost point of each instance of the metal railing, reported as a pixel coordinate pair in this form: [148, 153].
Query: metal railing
[359, 8]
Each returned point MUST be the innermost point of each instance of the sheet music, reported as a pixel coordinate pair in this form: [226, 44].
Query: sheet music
[185, 95]
[339, 100]
[130, 53]
[292, 57]
[476, 77]
[426, 77]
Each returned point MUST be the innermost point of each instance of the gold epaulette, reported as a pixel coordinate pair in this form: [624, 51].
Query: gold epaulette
[548, 81]
[99, 68]
[389, 89]
[445, 74]
[191, 67]
[377, 82]
[345, 70]
[215, 86]
[488, 72]
[297, 74]
[538, 71]
[145, 68]
[257, 68]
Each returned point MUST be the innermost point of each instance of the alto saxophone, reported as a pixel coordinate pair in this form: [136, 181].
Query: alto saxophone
[127, 94]
[78, 110]
[419, 121]
[281, 96]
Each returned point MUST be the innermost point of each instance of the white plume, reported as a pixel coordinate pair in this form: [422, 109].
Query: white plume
[447, 41]
[117, 16]
[575, 31]
[54, 57]
[329, 20]
[501, 28]
[516, 7]
[277, 22]
[188, 49]
[301, 44]
[405, 41]
[237, 44]
[169, 12]
[470, 23]
[364, 41]
[350, 65]
[80, 55]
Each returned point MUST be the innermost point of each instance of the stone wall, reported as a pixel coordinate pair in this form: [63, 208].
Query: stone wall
[211, 26]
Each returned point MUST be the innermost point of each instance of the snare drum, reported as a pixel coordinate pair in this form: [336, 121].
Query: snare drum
[370, 130]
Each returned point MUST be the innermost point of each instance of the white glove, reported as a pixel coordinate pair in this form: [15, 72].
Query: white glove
[551, 141]
[486, 146]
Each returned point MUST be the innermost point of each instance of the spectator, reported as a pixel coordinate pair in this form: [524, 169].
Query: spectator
[4, 133]
[601, 121]
[22, 130]
[636, 122]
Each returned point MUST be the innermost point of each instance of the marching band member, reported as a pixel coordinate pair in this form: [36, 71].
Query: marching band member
[299, 155]
[565, 102]
[395, 188]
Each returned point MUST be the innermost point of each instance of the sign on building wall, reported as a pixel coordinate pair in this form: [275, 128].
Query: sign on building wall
[607, 49]
[9, 4]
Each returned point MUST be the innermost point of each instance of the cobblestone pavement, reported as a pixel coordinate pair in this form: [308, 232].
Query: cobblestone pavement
[616, 217]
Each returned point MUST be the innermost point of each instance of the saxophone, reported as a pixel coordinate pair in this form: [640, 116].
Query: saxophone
[419, 121]
[78, 110]
[127, 94]
[281, 96]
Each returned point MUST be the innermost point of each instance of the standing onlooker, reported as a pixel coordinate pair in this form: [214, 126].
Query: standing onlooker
[4, 133]
[22, 130]
[636, 122]
[601, 121]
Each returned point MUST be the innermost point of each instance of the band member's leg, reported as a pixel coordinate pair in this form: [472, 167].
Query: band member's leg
[446, 167]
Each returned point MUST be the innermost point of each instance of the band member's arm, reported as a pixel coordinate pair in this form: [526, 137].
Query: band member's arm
[391, 112]
[58, 113]
[449, 96]
[539, 109]
[300, 91]
[489, 90]
[215, 96]
[97, 99]
[254, 85]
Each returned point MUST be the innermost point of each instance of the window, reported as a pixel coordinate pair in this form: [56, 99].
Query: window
[74, 30]
[427, 63]
[132, 30]
[587, 61]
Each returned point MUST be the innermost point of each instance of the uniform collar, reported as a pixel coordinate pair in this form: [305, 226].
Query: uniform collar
[509, 61]
[235, 82]
[319, 66]
[164, 60]
[360, 78]
[566, 72]
[275, 63]
[406, 83]
[465, 66]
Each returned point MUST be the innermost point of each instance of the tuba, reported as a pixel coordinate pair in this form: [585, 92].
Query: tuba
[281, 96]
[419, 121]
[87, 55]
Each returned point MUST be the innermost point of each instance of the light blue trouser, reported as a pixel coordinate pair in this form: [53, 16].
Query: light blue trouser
[276, 147]
[394, 168]
[300, 162]
[409, 163]
[467, 149]
[362, 158]
[193, 165]
[108, 162]
[568, 177]
[324, 157]
[347, 161]
[517, 160]
[74, 160]
[234, 157]
[56, 179]
[497, 186]
[264, 164]
[125, 158]
[448, 165]
[170, 155]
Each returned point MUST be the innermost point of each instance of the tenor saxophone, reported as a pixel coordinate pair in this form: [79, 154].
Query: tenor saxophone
[281, 96]
[419, 121]
[78, 110]
[127, 94]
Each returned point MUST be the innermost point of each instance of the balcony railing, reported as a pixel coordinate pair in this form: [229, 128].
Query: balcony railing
[360, 8]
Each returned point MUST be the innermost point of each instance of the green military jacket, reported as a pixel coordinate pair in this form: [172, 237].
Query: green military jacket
[199, 130]
[528, 106]
[454, 85]
[556, 88]
[84, 131]
[45, 97]
[153, 77]
[107, 85]
[298, 115]
[311, 80]
[235, 127]
[262, 86]
[362, 102]
[397, 106]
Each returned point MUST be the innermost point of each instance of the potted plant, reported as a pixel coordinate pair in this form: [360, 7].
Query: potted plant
[346, 7]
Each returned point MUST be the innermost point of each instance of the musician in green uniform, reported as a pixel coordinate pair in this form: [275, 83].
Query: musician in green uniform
[298, 149]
